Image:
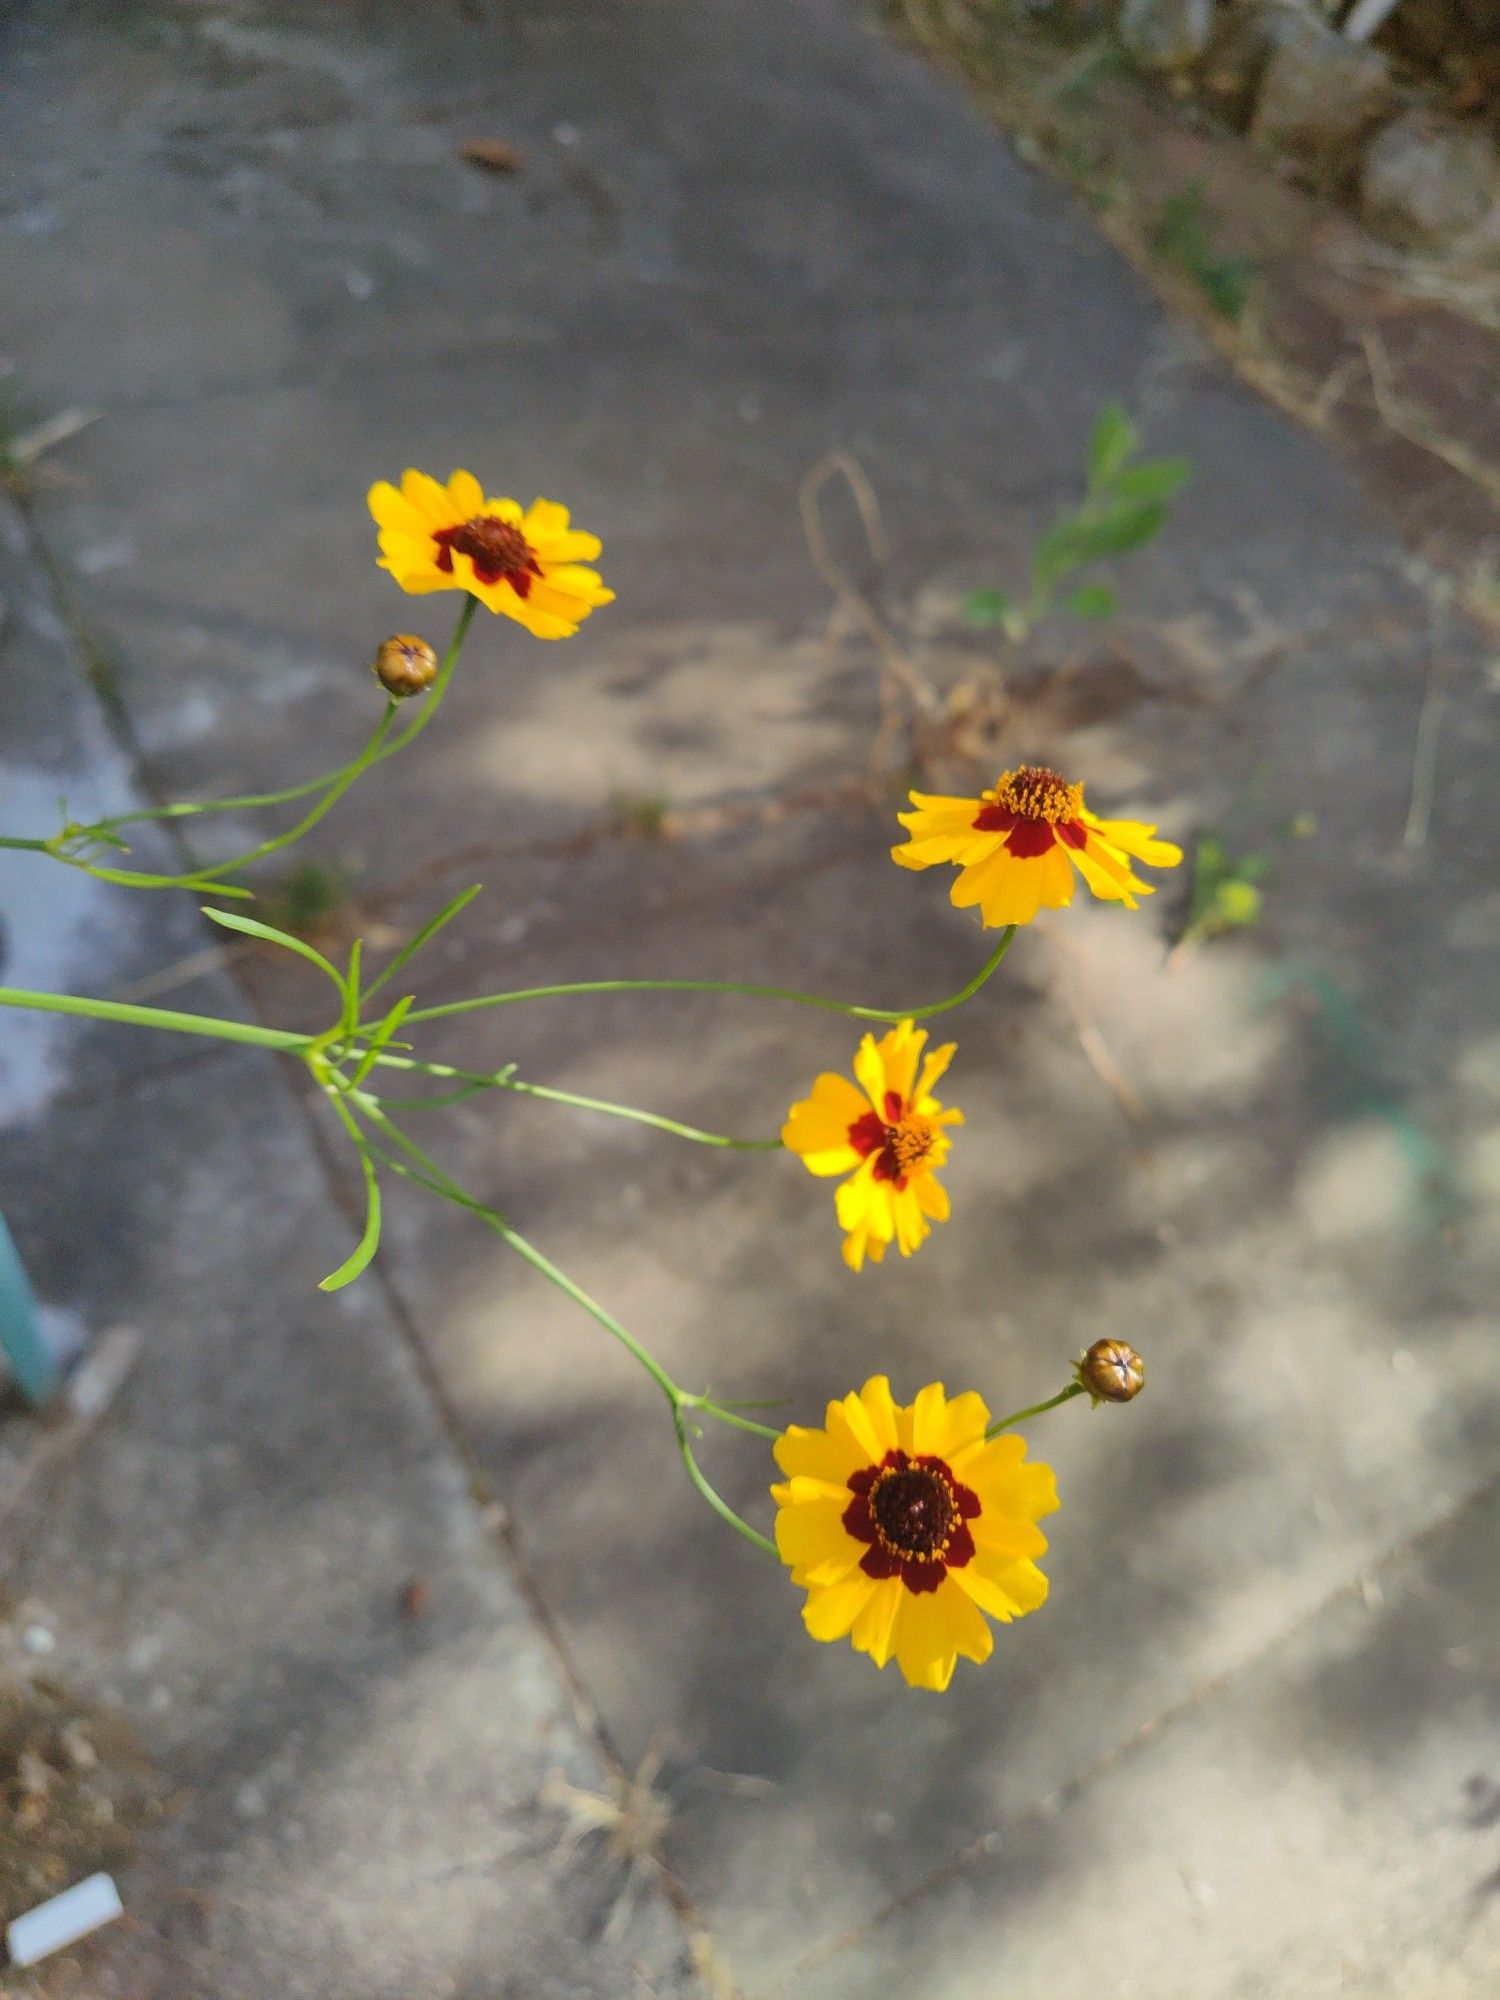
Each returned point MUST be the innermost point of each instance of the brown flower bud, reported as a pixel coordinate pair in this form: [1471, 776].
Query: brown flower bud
[1112, 1372]
[404, 665]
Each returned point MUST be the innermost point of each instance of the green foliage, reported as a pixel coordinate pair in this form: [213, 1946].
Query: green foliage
[1184, 237]
[1227, 890]
[1125, 504]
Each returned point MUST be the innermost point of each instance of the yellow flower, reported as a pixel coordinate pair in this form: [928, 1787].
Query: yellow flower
[526, 566]
[1016, 847]
[887, 1136]
[904, 1527]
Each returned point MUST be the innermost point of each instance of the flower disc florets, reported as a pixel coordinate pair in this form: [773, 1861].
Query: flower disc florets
[914, 1510]
[1034, 791]
[497, 549]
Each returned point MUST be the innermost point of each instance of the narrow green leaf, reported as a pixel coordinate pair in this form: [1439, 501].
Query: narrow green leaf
[231, 920]
[1153, 479]
[1112, 530]
[367, 1245]
[1113, 441]
[428, 931]
[1091, 600]
[380, 1038]
[351, 988]
[987, 607]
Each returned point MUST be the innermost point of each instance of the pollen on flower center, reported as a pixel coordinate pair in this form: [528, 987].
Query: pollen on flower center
[1034, 791]
[910, 1141]
[497, 549]
[914, 1510]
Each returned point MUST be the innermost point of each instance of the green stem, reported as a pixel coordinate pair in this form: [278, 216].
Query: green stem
[724, 1414]
[1036, 1410]
[884, 1014]
[720, 1506]
[677, 1399]
[130, 1015]
[25, 846]
[332, 785]
[500, 1080]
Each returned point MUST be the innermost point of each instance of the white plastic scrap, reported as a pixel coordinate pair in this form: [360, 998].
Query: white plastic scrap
[63, 1920]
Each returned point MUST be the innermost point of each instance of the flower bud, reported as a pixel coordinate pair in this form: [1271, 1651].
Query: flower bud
[1112, 1372]
[404, 665]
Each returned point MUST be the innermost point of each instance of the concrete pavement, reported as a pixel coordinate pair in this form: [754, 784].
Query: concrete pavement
[1247, 1749]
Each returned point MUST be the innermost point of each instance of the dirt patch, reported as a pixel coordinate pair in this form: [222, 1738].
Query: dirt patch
[76, 1789]
[1394, 357]
[1452, 44]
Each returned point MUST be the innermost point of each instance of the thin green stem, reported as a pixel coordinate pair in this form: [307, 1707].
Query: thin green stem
[25, 846]
[126, 1012]
[725, 1414]
[332, 785]
[678, 1399]
[755, 992]
[580, 1297]
[720, 1506]
[1020, 1416]
[473, 1080]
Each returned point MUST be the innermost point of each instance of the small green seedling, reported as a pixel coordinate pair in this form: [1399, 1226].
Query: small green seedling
[1227, 888]
[1124, 506]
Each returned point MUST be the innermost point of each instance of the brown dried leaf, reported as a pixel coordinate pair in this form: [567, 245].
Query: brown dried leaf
[497, 156]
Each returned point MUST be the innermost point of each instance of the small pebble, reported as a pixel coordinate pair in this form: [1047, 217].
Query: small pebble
[37, 1639]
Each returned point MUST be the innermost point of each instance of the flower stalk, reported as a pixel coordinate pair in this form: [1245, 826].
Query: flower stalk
[910, 1527]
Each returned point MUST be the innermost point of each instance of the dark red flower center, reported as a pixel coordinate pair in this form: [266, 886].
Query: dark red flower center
[1035, 808]
[904, 1139]
[498, 550]
[913, 1514]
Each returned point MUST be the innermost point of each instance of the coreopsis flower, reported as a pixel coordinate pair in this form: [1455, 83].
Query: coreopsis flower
[887, 1135]
[527, 566]
[1016, 846]
[906, 1528]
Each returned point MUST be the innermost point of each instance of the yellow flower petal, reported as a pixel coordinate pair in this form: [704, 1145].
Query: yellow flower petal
[827, 1454]
[869, 1067]
[926, 1650]
[964, 1619]
[465, 497]
[817, 1127]
[830, 1611]
[867, 1424]
[1003, 1588]
[936, 1066]
[1007, 890]
[811, 1541]
[1133, 837]
[874, 1630]
[899, 1052]
[880, 1407]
